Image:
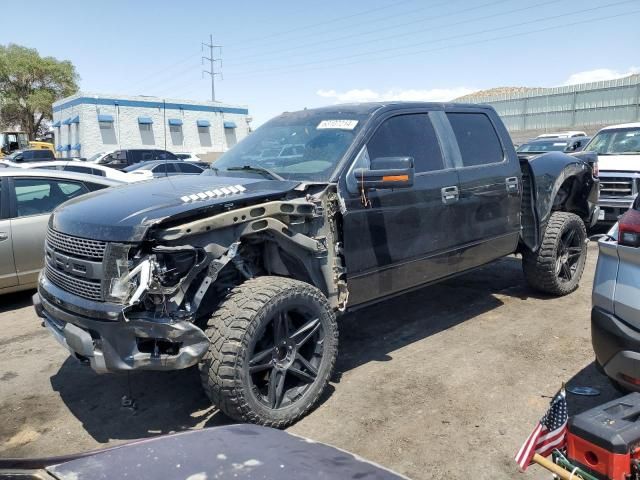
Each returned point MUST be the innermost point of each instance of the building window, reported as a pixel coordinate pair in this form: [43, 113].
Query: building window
[175, 128]
[145, 127]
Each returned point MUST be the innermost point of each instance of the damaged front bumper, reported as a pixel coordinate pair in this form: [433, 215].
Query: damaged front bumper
[113, 343]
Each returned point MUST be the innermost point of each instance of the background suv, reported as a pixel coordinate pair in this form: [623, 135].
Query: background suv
[615, 316]
[124, 158]
[22, 158]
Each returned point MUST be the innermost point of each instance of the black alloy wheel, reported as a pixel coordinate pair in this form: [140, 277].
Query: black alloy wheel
[285, 359]
[557, 266]
[274, 343]
[570, 248]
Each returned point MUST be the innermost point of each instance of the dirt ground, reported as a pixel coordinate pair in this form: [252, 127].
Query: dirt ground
[445, 382]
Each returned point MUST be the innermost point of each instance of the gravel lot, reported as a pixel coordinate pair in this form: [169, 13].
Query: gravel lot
[445, 382]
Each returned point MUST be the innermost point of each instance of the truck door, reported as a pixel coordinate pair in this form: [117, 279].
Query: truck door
[396, 239]
[8, 277]
[490, 190]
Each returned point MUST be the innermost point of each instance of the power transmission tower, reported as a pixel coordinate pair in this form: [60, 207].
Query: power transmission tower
[212, 62]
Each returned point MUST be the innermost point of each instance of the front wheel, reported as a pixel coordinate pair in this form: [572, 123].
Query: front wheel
[274, 343]
[557, 266]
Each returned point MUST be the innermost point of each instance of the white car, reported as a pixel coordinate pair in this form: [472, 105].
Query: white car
[567, 134]
[188, 157]
[89, 169]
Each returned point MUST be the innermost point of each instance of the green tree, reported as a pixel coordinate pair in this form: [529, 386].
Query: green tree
[29, 84]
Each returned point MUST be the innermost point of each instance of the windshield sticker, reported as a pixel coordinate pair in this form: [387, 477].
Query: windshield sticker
[337, 124]
[560, 144]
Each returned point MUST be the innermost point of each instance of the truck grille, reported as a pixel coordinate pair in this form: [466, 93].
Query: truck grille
[66, 262]
[90, 289]
[616, 186]
[81, 247]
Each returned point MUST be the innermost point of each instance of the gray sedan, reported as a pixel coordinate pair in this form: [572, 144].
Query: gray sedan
[27, 197]
[164, 168]
[615, 316]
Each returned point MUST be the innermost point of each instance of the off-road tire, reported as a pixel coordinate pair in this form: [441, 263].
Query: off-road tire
[224, 370]
[541, 267]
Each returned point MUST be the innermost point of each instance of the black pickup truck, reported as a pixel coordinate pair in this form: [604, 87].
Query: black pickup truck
[244, 269]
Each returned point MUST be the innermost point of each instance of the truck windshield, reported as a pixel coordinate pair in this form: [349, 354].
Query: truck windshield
[304, 146]
[544, 146]
[616, 141]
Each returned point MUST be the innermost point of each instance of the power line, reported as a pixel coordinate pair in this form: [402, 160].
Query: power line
[473, 42]
[404, 33]
[169, 68]
[212, 62]
[163, 70]
[183, 72]
[305, 28]
[296, 67]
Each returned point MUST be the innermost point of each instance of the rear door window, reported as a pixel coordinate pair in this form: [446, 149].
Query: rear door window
[188, 168]
[37, 196]
[477, 139]
[408, 136]
[164, 168]
[78, 169]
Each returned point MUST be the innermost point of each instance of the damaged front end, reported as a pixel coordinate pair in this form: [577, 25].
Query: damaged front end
[145, 305]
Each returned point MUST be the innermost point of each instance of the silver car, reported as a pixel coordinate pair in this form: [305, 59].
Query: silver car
[615, 316]
[27, 197]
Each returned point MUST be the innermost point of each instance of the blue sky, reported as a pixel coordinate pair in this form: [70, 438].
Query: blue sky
[287, 55]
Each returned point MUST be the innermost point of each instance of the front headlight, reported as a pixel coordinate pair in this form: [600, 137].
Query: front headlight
[116, 268]
[174, 265]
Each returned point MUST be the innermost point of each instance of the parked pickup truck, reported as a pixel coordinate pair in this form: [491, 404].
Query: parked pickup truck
[244, 269]
[618, 149]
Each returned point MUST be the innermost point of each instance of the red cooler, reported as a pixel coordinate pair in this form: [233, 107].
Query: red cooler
[605, 440]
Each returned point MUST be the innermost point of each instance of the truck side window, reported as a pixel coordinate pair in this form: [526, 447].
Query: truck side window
[408, 136]
[478, 141]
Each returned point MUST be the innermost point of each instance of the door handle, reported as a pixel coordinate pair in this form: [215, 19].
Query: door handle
[513, 186]
[449, 194]
[3, 236]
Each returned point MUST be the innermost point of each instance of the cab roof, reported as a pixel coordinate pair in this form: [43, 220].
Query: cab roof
[622, 125]
[368, 108]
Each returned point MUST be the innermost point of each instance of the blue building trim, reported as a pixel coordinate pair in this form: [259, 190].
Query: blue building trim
[176, 122]
[67, 121]
[75, 119]
[56, 125]
[203, 123]
[148, 104]
[230, 125]
[145, 120]
[105, 118]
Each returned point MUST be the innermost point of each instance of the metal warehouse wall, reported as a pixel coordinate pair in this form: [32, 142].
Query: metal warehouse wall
[586, 106]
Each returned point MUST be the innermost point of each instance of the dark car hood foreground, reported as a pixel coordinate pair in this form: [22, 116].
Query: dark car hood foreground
[232, 452]
[126, 212]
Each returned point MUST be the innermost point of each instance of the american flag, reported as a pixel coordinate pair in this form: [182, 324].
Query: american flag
[550, 432]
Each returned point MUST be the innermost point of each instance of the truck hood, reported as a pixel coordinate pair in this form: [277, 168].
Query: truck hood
[619, 163]
[125, 213]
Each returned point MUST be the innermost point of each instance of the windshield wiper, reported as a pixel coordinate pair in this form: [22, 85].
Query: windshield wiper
[262, 170]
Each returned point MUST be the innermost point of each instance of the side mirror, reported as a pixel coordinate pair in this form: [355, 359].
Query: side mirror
[386, 172]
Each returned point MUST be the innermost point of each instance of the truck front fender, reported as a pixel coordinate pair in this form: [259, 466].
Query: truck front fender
[549, 173]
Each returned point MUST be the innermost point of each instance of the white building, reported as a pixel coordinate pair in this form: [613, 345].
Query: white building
[85, 124]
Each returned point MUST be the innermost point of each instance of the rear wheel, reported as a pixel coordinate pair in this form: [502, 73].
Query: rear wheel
[274, 343]
[558, 264]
